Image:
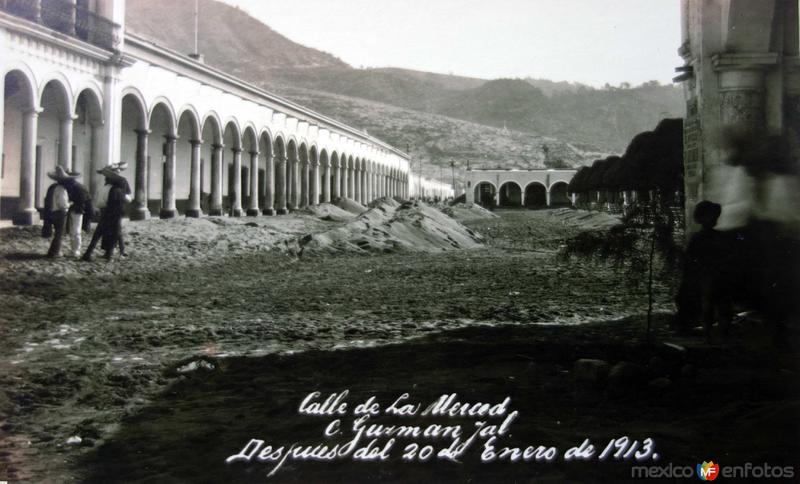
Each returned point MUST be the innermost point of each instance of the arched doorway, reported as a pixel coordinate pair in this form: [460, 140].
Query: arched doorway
[211, 167]
[249, 171]
[279, 153]
[485, 194]
[510, 195]
[134, 141]
[559, 195]
[188, 135]
[325, 177]
[266, 176]
[535, 195]
[334, 178]
[232, 155]
[54, 144]
[86, 135]
[161, 167]
[19, 149]
[292, 176]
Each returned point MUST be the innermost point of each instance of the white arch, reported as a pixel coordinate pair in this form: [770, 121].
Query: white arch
[65, 86]
[197, 129]
[27, 74]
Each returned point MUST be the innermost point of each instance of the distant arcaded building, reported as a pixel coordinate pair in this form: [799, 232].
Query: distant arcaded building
[741, 77]
[518, 188]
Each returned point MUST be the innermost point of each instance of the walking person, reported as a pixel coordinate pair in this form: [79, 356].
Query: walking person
[56, 207]
[111, 200]
[80, 211]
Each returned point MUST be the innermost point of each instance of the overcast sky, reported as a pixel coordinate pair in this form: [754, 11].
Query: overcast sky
[589, 41]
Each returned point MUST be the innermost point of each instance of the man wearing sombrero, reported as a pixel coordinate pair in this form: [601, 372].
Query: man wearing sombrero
[56, 207]
[111, 200]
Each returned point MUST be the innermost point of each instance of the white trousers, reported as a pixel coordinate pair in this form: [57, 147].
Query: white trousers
[75, 223]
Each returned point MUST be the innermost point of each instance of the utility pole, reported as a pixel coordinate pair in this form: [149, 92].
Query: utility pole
[196, 28]
[441, 182]
[453, 169]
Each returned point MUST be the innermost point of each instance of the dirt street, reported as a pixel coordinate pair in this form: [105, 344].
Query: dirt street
[155, 367]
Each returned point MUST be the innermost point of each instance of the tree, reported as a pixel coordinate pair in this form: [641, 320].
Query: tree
[646, 241]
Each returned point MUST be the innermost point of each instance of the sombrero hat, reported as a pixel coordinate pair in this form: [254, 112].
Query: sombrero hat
[60, 174]
[113, 170]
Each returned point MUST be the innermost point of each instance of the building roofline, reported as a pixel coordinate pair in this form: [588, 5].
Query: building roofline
[293, 109]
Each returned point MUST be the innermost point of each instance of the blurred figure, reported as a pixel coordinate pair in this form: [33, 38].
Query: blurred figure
[761, 214]
[705, 289]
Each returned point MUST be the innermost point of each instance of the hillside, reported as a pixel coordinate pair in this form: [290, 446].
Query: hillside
[437, 140]
[230, 39]
[596, 120]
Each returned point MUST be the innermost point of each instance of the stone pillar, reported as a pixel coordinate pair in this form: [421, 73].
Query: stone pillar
[94, 179]
[269, 184]
[27, 188]
[362, 180]
[289, 184]
[343, 175]
[326, 182]
[252, 207]
[304, 183]
[216, 179]
[314, 189]
[351, 186]
[65, 143]
[193, 210]
[280, 185]
[168, 187]
[337, 183]
[139, 210]
[742, 99]
[356, 184]
[236, 184]
[367, 188]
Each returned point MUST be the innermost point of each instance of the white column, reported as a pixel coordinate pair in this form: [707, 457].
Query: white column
[280, 185]
[269, 185]
[27, 190]
[343, 175]
[304, 183]
[65, 143]
[236, 190]
[168, 194]
[314, 188]
[337, 176]
[252, 207]
[356, 184]
[326, 182]
[140, 210]
[216, 179]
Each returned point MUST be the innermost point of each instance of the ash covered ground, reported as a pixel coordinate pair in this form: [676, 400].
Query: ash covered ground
[155, 367]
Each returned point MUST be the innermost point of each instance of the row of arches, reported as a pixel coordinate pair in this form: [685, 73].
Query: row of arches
[511, 194]
[179, 163]
[41, 128]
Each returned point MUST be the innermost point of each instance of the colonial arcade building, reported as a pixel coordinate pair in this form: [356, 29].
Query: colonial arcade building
[519, 188]
[81, 92]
